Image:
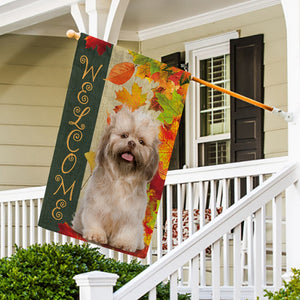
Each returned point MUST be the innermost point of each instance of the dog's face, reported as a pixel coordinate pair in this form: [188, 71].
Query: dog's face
[130, 143]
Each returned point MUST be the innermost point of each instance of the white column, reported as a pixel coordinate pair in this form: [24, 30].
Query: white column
[292, 17]
[96, 285]
[98, 11]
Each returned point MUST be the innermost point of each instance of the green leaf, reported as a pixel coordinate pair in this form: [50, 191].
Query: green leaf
[171, 108]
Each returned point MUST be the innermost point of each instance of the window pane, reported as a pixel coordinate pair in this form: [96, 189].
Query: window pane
[214, 153]
[214, 105]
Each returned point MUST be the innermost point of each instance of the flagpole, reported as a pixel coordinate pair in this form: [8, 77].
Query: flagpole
[287, 116]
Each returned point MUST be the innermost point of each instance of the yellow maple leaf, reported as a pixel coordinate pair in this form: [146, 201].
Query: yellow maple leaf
[143, 71]
[133, 100]
[90, 157]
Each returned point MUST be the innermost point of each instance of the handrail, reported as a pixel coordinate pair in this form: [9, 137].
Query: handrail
[230, 170]
[22, 194]
[199, 241]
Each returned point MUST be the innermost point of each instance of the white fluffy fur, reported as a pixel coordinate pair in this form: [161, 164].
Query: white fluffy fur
[113, 207]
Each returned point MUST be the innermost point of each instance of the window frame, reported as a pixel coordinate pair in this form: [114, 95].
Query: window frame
[196, 51]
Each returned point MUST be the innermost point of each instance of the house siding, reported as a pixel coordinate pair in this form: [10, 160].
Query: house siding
[34, 76]
[271, 23]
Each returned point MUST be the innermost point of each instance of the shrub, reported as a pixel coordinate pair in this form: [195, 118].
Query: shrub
[47, 271]
[290, 291]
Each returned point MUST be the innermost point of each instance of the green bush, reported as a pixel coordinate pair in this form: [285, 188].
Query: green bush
[46, 272]
[290, 291]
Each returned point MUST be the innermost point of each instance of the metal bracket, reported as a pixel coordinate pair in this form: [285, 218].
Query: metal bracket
[285, 115]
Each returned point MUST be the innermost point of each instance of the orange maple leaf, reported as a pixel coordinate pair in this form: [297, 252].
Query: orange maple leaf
[133, 100]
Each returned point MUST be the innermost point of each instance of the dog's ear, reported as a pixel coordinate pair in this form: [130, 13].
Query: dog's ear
[152, 166]
[102, 145]
[105, 139]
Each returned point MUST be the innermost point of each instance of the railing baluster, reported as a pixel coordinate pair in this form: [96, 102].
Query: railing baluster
[152, 294]
[169, 217]
[179, 228]
[190, 208]
[17, 223]
[39, 229]
[173, 286]
[194, 282]
[9, 229]
[159, 232]
[215, 261]
[237, 267]
[2, 224]
[237, 189]
[24, 224]
[48, 239]
[249, 230]
[149, 254]
[258, 288]
[202, 222]
[263, 246]
[64, 239]
[277, 240]
[212, 200]
[225, 205]
[32, 223]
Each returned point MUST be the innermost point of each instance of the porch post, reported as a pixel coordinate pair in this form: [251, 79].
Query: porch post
[291, 10]
[96, 285]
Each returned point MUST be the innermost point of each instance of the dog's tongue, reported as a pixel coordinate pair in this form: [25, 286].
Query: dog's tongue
[127, 156]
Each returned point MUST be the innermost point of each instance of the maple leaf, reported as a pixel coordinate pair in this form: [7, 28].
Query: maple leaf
[185, 78]
[167, 137]
[133, 100]
[143, 71]
[154, 105]
[121, 73]
[172, 108]
[139, 59]
[90, 157]
[176, 77]
[92, 42]
[182, 90]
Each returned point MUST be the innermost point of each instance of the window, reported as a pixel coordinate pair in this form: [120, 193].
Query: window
[208, 110]
[214, 112]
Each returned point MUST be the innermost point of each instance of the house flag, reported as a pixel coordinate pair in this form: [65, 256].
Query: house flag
[119, 123]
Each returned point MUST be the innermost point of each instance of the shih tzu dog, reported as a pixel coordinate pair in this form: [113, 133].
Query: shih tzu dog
[114, 204]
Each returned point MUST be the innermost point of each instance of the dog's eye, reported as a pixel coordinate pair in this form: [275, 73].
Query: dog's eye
[141, 141]
[124, 136]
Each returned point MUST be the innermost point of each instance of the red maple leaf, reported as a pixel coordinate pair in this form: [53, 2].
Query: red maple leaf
[64, 228]
[94, 43]
[176, 77]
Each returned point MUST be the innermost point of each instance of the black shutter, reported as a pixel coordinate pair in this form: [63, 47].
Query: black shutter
[178, 155]
[246, 78]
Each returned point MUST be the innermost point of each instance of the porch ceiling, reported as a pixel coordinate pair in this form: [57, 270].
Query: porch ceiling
[143, 19]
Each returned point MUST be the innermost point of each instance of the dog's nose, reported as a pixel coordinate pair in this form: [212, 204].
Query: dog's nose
[131, 144]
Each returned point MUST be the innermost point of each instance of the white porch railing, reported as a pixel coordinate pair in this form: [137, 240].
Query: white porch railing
[253, 206]
[187, 191]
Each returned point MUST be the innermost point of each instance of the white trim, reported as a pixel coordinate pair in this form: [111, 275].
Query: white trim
[13, 19]
[211, 42]
[206, 18]
[214, 138]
